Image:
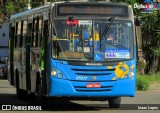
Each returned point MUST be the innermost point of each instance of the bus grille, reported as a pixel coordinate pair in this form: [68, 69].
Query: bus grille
[92, 71]
[99, 71]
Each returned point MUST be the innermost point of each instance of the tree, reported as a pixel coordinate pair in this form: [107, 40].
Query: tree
[45, 2]
[12, 7]
[151, 39]
[37, 3]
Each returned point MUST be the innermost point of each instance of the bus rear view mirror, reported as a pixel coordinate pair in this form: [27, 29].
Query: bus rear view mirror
[137, 21]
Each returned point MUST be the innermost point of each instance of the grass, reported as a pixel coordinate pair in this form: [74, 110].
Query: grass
[143, 81]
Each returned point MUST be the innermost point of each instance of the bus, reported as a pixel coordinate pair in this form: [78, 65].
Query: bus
[63, 49]
[4, 36]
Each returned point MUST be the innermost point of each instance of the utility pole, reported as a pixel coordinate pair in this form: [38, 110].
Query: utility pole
[29, 4]
[45, 2]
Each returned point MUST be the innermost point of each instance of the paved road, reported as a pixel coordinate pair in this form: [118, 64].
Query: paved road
[146, 100]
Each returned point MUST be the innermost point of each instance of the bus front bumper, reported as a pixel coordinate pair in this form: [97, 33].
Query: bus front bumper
[66, 88]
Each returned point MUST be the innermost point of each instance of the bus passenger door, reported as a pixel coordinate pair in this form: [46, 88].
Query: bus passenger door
[28, 46]
[44, 57]
[35, 53]
[11, 75]
[23, 55]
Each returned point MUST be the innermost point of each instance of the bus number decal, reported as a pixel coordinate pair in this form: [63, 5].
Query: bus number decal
[81, 78]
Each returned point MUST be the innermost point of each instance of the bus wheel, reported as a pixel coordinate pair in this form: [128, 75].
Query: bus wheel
[20, 92]
[114, 102]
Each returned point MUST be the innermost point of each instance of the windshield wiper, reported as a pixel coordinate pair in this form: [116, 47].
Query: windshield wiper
[111, 19]
[108, 26]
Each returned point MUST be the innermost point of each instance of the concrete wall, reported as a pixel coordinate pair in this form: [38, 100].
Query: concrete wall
[4, 36]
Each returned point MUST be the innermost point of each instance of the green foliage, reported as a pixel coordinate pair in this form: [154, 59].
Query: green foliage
[129, 1]
[151, 38]
[143, 81]
[13, 7]
[154, 77]
[36, 3]
[10, 8]
[141, 64]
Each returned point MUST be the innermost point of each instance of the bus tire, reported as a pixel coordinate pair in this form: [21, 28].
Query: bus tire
[20, 92]
[114, 102]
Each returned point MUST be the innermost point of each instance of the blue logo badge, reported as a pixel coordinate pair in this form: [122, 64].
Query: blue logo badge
[97, 57]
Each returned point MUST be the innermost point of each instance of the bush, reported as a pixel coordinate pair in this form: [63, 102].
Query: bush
[142, 83]
[141, 65]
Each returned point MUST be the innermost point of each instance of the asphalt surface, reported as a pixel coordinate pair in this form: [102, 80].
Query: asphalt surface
[143, 102]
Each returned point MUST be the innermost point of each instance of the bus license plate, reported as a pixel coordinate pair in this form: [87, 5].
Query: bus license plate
[93, 85]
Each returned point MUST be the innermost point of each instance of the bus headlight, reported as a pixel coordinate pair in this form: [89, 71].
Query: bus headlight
[60, 75]
[57, 73]
[53, 73]
[131, 74]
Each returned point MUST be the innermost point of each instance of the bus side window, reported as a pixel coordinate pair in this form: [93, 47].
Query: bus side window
[40, 27]
[15, 37]
[18, 35]
[24, 32]
[34, 32]
[21, 34]
[37, 31]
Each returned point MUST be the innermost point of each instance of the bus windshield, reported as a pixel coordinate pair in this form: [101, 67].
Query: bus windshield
[82, 40]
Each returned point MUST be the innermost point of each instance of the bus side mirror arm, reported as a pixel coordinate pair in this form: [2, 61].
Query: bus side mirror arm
[137, 21]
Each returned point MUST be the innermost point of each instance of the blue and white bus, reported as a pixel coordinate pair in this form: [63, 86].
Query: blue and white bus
[74, 50]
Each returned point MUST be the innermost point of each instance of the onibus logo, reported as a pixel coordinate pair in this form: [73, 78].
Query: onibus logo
[147, 5]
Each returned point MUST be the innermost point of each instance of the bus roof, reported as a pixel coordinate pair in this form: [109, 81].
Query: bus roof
[29, 12]
[46, 7]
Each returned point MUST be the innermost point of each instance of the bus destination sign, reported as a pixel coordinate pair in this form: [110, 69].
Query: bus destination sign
[92, 9]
